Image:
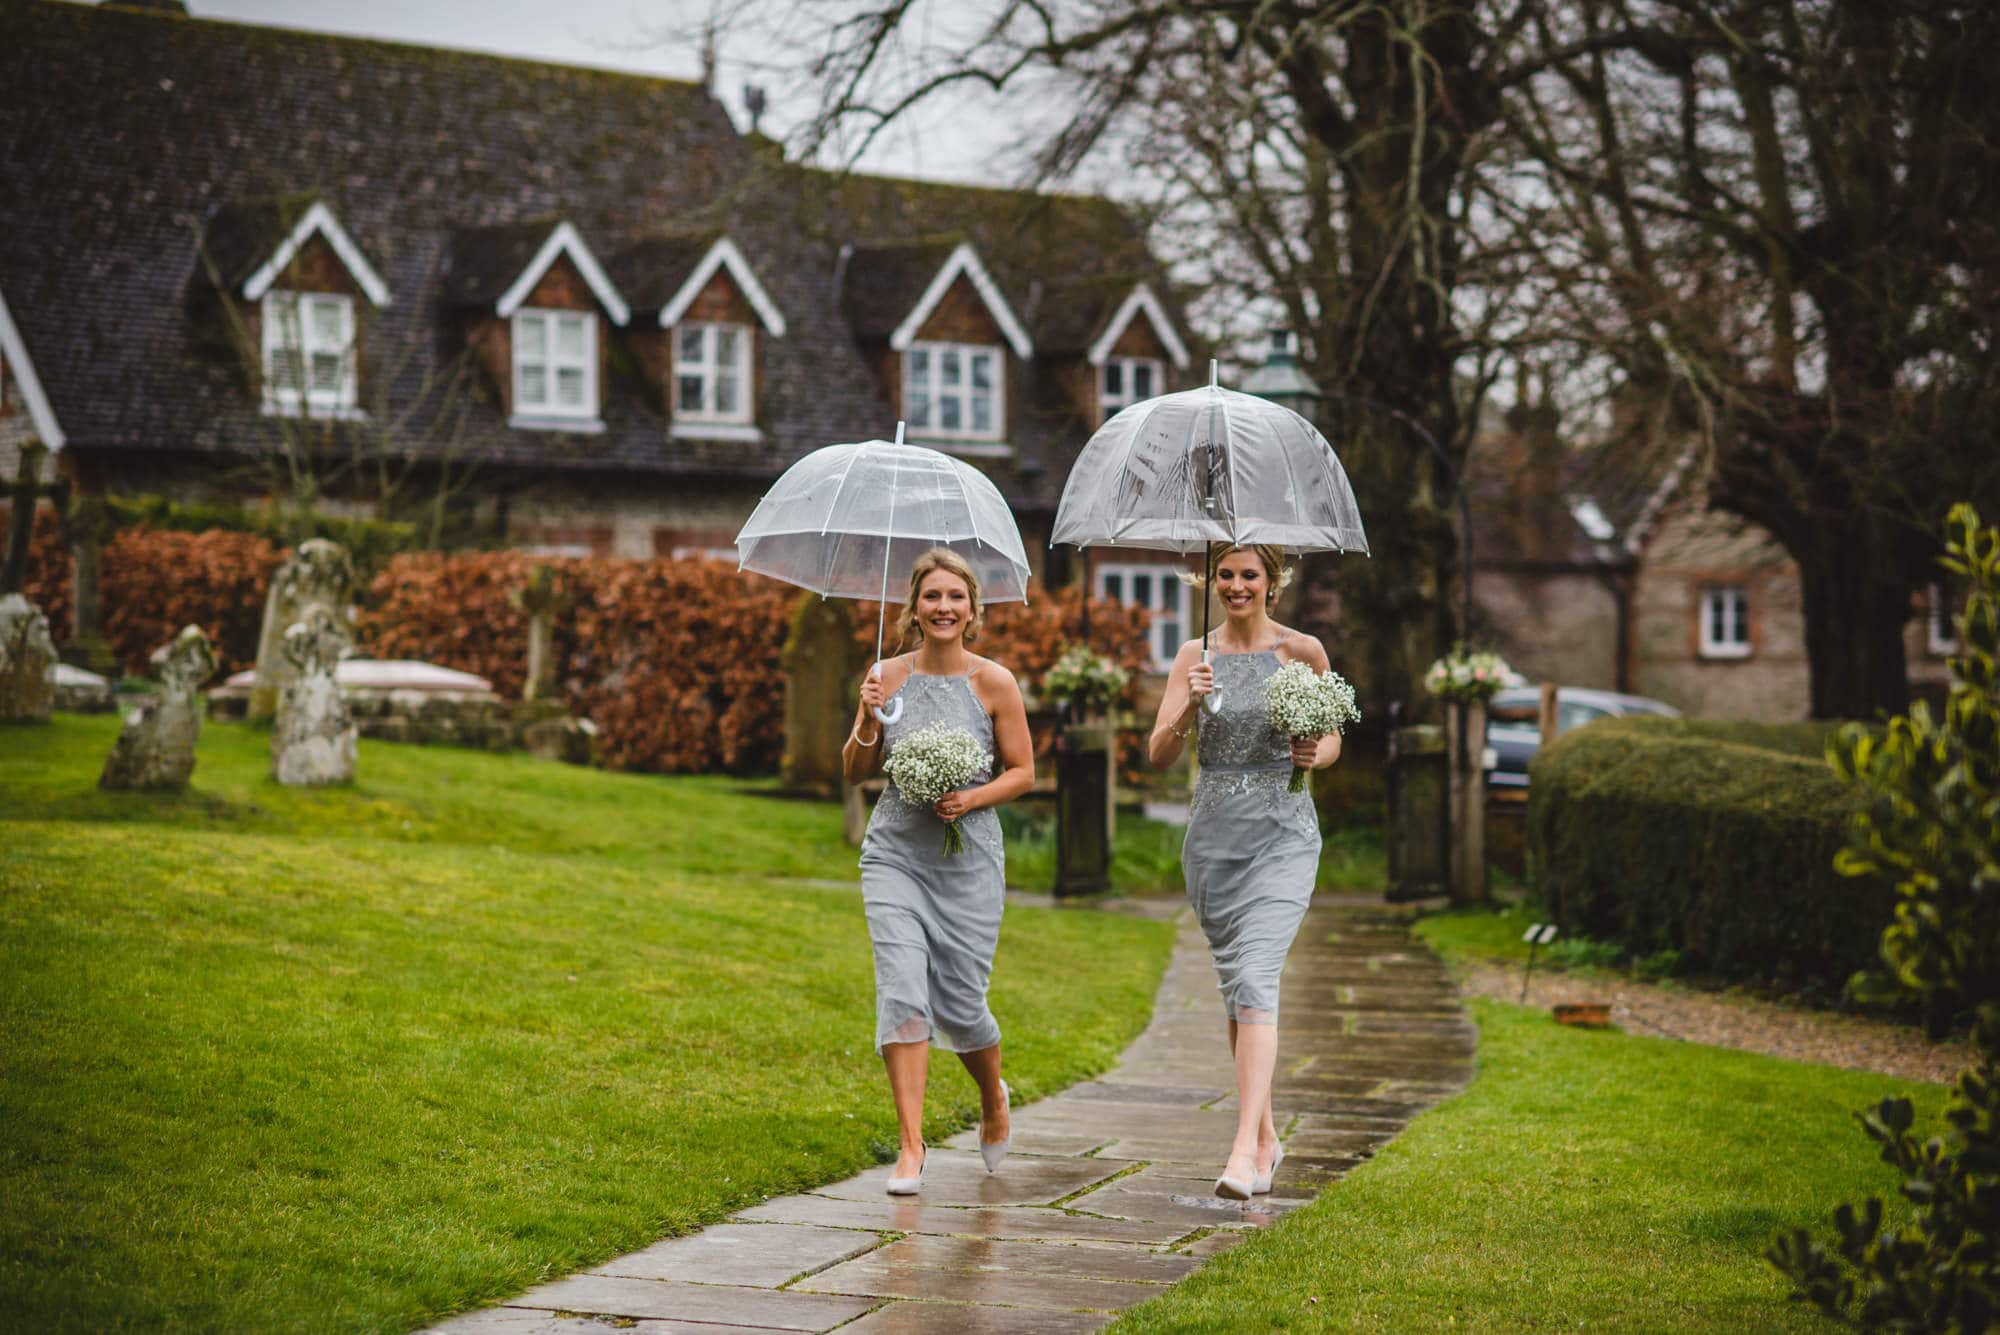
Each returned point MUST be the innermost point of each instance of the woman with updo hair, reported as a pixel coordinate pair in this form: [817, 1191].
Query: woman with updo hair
[933, 919]
[1252, 848]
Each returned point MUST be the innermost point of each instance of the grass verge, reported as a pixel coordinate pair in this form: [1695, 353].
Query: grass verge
[1585, 1180]
[352, 1059]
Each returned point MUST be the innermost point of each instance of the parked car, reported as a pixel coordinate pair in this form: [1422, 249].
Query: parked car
[1513, 729]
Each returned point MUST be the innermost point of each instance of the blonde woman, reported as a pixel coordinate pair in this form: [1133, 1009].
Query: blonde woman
[1252, 848]
[935, 921]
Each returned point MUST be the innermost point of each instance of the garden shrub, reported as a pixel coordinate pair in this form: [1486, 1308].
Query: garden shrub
[48, 581]
[677, 662]
[154, 582]
[1647, 833]
[1933, 824]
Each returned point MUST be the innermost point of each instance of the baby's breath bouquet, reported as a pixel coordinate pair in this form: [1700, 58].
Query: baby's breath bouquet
[1087, 680]
[1303, 703]
[933, 761]
[1467, 676]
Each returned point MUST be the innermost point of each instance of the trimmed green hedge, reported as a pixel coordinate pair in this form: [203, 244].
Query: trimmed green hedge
[1670, 834]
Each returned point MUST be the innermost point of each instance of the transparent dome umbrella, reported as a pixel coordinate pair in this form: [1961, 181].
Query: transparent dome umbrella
[840, 520]
[1210, 465]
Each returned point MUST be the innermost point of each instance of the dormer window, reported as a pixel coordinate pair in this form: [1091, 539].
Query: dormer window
[712, 372]
[952, 390]
[1126, 381]
[309, 361]
[555, 363]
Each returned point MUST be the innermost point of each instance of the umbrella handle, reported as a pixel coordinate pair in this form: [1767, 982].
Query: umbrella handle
[1212, 702]
[895, 709]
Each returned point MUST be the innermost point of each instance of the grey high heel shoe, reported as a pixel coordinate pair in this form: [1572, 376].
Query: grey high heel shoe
[1262, 1186]
[995, 1155]
[1236, 1188]
[907, 1186]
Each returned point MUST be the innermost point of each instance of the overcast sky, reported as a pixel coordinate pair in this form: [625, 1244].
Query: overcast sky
[960, 142]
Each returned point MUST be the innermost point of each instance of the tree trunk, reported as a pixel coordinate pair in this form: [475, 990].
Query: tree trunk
[1855, 612]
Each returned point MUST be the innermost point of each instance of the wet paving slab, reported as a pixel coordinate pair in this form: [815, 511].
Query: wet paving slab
[1108, 1198]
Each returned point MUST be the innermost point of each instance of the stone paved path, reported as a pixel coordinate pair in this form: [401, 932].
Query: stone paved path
[1107, 1198]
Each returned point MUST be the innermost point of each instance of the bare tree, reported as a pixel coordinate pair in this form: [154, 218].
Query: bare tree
[1775, 219]
[1333, 153]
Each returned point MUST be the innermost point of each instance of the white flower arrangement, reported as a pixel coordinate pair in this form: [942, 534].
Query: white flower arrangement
[933, 761]
[1467, 676]
[1302, 703]
[1084, 678]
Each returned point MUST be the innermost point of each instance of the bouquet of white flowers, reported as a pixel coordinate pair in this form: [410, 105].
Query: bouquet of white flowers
[1303, 703]
[933, 761]
[1466, 676]
[1086, 679]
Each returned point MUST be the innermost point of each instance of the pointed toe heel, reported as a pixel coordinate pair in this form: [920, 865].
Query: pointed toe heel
[1233, 1188]
[908, 1186]
[996, 1154]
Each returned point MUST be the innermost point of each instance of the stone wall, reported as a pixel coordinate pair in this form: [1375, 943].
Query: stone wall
[1559, 626]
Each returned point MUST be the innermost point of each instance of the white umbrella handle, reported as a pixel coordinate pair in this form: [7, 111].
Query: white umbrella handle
[895, 709]
[1212, 702]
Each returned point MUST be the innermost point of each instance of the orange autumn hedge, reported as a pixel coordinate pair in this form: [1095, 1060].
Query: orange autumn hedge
[677, 662]
[152, 582]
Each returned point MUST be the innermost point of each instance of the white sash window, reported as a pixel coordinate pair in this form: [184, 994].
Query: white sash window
[952, 390]
[1154, 589]
[1725, 621]
[308, 340]
[712, 373]
[555, 364]
[1125, 381]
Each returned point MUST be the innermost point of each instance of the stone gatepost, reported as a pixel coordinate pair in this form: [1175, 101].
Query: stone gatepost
[88, 524]
[155, 749]
[319, 574]
[27, 662]
[821, 665]
[313, 738]
[1464, 752]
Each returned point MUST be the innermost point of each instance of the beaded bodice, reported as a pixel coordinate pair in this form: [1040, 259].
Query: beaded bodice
[1239, 735]
[927, 700]
[1242, 757]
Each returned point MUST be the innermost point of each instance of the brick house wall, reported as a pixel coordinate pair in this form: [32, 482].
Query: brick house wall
[1692, 549]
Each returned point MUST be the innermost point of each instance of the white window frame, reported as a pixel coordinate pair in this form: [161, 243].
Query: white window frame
[1940, 636]
[552, 410]
[288, 327]
[934, 354]
[1166, 602]
[1108, 403]
[1736, 616]
[710, 368]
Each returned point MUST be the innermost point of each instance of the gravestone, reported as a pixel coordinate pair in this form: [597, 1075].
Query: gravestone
[27, 662]
[313, 735]
[822, 665]
[544, 598]
[155, 749]
[87, 525]
[318, 575]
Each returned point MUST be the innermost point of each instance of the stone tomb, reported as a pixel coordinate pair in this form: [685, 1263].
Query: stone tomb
[155, 749]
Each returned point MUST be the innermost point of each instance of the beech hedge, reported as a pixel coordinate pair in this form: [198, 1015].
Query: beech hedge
[1715, 841]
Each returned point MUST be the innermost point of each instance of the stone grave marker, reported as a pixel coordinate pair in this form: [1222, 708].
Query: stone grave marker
[319, 574]
[313, 736]
[27, 662]
[155, 748]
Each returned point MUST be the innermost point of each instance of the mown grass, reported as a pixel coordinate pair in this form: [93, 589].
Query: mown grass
[1146, 854]
[352, 1059]
[1593, 1181]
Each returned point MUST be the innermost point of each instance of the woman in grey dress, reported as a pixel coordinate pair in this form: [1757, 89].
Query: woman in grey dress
[1252, 848]
[934, 921]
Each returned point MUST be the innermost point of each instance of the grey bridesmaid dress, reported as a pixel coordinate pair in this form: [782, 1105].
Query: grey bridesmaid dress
[934, 921]
[1251, 852]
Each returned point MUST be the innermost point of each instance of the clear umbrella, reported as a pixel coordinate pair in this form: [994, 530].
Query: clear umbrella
[1209, 465]
[841, 519]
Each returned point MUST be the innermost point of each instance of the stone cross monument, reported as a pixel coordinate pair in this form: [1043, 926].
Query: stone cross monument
[318, 575]
[313, 737]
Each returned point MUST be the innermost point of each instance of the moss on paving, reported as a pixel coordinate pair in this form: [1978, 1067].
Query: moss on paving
[351, 1059]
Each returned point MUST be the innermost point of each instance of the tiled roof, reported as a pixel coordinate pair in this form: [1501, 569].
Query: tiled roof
[133, 140]
[880, 284]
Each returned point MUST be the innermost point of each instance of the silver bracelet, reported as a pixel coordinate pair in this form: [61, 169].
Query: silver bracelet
[1182, 733]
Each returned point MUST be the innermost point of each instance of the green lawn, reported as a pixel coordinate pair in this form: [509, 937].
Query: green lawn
[1584, 1181]
[1146, 854]
[276, 1059]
